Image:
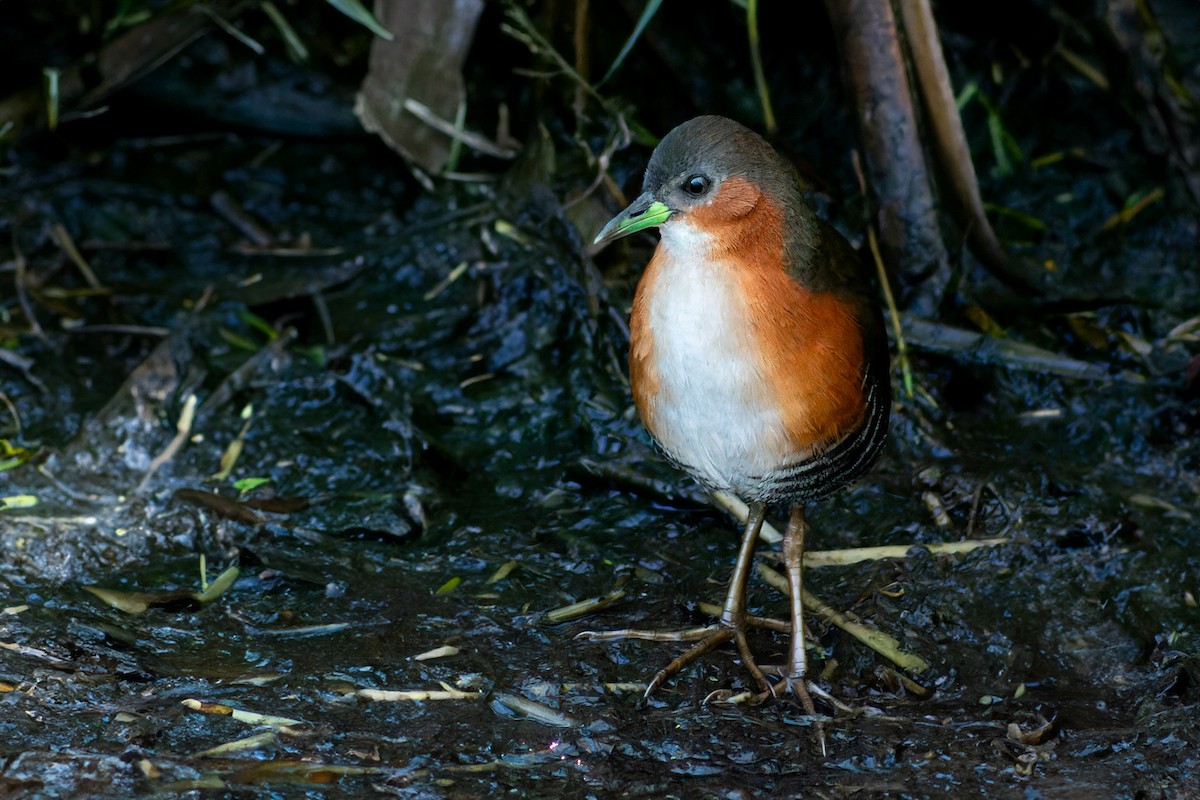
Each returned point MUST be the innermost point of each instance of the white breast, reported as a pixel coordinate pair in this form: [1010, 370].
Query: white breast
[713, 413]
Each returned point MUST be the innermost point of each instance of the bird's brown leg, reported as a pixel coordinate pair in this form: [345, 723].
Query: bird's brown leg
[733, 613]
[792, 550]
[733, 617]
[793, 563]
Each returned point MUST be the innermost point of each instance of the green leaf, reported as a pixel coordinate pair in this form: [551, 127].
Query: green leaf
[1028, 220]
[129, 602]
[237, 340]
[249, 484]
[647, 14]
[966, 95]
[259, 324]
[315, 354]
[295, 45]
[50, 77]
[449, 586]
[359, 13]
[18, 501]
[139, 602]
[217, 587]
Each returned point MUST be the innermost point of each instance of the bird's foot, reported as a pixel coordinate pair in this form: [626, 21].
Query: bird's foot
[716, 636]
[803, 690]
[705, 640]
[684, 635]
[794, 685]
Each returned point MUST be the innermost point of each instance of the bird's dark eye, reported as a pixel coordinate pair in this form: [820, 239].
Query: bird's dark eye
[696, 185]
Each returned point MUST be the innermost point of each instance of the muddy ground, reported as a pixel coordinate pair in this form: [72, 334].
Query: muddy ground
[432, 384]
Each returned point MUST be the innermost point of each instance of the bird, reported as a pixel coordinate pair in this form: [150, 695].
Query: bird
[758, 363]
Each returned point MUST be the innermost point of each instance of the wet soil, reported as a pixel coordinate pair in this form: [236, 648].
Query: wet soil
[433, 383]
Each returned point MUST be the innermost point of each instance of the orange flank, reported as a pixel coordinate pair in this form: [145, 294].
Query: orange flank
[809, 344]
[643, 374]
[811, 352]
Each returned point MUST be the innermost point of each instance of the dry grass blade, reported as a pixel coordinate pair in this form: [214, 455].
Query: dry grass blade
[416, 695]
[265, 739]
[502, 572]
[855, 555]
[584, 607]
[535, 711]
[248, 717]
[877, 640]
[444, 651]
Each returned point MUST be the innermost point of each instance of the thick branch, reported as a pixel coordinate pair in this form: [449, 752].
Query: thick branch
[909, 232]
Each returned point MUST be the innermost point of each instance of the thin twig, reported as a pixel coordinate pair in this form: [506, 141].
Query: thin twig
[472, 140]
[523, 30]
[885, 284]
[19, 282]
[760, 78]
[133, 330]
[63, 239]
[183, 429]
